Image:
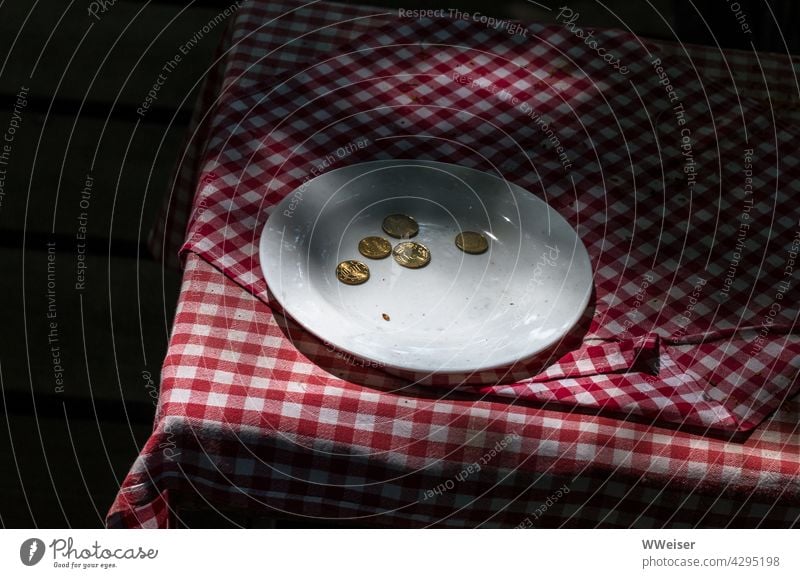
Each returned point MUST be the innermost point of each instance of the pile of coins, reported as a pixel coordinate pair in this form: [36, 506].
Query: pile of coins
[409, 254]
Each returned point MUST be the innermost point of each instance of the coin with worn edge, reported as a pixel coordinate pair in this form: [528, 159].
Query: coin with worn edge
[400, 226]
[472, 242]
[352, 272]
[374, 247]
[412, 255]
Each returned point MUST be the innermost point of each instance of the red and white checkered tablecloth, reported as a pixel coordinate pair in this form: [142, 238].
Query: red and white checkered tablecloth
[693, 322]
[264, 39]
[272, 38]
[254, 422]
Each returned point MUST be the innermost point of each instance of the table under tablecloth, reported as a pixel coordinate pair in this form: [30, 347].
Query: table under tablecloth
[673, 405]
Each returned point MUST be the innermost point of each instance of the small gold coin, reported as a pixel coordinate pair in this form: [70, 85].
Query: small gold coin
[472, 242]
[412, 255]
[374, 247]
[400, 226]
[352, 272]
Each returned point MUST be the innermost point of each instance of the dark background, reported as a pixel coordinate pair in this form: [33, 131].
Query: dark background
[63, 454]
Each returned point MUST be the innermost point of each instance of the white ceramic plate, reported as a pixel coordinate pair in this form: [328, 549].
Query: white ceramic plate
[462, 312]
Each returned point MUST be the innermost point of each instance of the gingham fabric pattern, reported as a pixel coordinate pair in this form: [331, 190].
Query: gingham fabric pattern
[685, 207]
[253, 425]
[264, 39]
[768, 77]
[295, 32]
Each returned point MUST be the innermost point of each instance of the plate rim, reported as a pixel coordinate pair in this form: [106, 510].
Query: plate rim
[384, 364]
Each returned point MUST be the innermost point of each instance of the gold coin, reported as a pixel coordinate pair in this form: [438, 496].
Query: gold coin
[352, 272]
[400, 226]
[412, 255]
[472, 242]
[374, 247]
